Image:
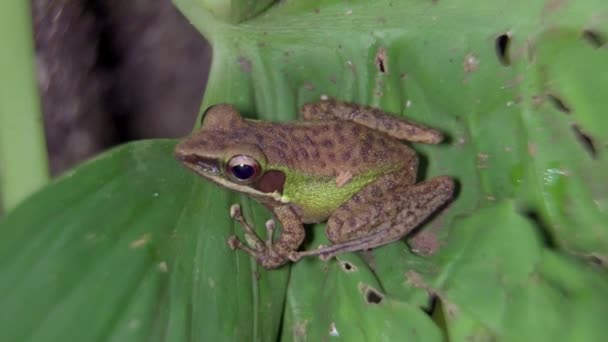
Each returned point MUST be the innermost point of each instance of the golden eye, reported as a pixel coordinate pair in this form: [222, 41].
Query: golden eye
[242, 168]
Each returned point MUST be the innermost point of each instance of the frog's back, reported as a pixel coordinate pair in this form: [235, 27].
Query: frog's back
[329, 147]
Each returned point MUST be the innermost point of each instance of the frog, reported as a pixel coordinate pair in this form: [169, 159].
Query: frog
[342, 163]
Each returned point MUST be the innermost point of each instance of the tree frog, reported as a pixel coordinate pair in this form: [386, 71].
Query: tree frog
[343, 163]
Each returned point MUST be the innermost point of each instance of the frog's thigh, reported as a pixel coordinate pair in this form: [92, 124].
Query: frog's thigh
[373, 118]
[387, 210]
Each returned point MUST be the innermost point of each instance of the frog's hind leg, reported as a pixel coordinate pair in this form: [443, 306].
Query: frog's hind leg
[373, 118]
[388, 215]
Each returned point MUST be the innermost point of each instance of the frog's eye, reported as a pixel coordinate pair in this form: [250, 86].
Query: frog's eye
[243, 168]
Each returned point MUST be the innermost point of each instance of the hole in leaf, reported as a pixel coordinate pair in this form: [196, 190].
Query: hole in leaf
[381, 61]
[433, 305]
[597, 260]
[586, 140]
[543, 228]
[559, 104]
[348, 267]
[503, 42]
[594, 38]
[373, 297]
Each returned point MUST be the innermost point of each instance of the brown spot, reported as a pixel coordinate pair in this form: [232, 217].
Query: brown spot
[259, 138]
[271, 181]
[281, 144]
[364, 153]
[316, 154]
[336, 221]
[331, 156]
[280, 133]
[382, 142]
[356, 129]
[470, 63]
[281, 153]
[234, 123]
[376, 191]
[346, 155]
[303, 154]
[327, 143]
[245, 64]
[388, 125]
[369, 139]
[307, 140]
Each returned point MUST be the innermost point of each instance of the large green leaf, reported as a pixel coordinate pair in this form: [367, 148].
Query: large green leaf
[132, 247]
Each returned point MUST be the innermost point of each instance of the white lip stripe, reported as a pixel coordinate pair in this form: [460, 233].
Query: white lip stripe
[244, 189]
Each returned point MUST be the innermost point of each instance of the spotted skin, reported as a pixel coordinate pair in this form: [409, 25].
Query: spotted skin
[361, 176]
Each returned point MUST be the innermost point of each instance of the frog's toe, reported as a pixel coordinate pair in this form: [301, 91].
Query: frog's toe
[235, 211]
[234, 242]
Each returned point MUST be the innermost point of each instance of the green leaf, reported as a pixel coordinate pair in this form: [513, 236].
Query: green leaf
[133, 247]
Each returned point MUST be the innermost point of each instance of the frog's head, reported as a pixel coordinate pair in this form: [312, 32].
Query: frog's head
[224, 152]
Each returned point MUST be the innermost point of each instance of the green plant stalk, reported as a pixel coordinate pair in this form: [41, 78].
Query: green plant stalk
[23, 158]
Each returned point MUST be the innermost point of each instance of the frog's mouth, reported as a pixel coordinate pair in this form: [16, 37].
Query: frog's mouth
[201, 165]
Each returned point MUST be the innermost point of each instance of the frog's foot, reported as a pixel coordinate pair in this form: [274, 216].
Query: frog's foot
[263, 251]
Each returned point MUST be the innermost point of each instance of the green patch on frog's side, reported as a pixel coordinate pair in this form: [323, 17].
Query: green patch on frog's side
[320, 196]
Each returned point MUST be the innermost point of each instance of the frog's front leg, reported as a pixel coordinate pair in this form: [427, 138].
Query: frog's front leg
[269, 253]
[373, 118]
[383, 212]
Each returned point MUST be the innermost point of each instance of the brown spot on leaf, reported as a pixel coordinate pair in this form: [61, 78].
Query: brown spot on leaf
[245, 64]
[470, 63]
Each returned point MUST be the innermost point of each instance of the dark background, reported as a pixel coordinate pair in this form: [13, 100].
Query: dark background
[111, 71]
